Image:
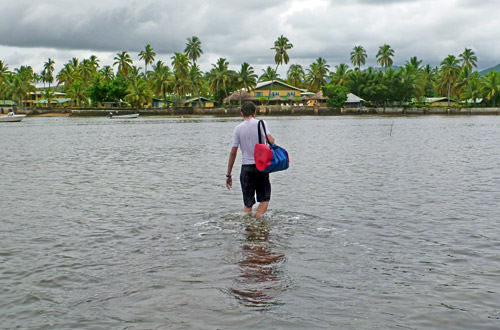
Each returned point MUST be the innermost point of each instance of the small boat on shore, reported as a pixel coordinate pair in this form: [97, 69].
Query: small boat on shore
[130, 116]
[11, 117]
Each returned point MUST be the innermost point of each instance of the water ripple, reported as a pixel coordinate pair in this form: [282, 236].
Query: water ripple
[114, 225]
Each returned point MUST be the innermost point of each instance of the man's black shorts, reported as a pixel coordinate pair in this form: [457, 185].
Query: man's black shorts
[252, 181]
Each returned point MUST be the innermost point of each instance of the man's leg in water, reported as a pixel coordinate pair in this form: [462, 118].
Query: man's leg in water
[247, 209]
[247, 181]
[261, 209]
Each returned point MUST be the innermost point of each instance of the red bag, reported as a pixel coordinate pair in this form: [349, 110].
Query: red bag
[269, 157]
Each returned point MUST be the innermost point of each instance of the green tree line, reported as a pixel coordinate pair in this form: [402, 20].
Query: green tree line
[88, 83]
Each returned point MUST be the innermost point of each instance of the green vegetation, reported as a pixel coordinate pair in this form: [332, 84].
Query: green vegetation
[316, 74]
[89, 84]
[384, 56]
[337, 95]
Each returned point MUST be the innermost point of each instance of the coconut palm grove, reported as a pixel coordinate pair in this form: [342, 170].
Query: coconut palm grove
[88, 84]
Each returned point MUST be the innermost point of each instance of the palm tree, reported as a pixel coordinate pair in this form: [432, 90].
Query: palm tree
[48, 95]
[469, 86]
[180, 65]
[358, 56]
[86, 70]
[428, 79]
[107, 73]
[415, 62]
[69, 72]
[384, 56]
[193, 49]
[356, 82]
[281, 46]
[316, 74]
[134, 73]
[219, 76]
[339, 77]
[161, 80]
[124, 62]
[37, 78]
[21, 83]
[269, 74]
[391, 86]
[48, 71]
[247, 78]
[18, 88]
[195, 77]
[473, 90]
[491, 86]
[408, 82]
[77, 92]
[139, 93]
[449, 72]
[74, 62]
[94, 61]
[4, 69]
[148, 56]
[468, 58]
[296, 75]
[66, 76]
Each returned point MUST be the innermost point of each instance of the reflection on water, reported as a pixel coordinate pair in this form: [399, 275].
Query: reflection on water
[261, 279]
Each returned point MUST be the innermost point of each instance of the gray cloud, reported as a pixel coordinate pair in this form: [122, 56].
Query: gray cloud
[385, 2]
[245, 30]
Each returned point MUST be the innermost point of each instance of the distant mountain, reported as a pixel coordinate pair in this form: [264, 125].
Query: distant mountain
[493, 68]
[394, 67]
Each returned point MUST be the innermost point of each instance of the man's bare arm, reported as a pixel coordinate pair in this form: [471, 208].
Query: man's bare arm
[230, 164]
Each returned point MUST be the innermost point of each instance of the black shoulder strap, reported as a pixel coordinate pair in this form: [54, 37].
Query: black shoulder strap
[261, 122]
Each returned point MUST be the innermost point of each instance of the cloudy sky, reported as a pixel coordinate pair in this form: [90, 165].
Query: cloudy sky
[34, 30]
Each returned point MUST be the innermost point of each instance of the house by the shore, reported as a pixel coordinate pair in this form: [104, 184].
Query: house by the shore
[39, 97]
[270, 92]
[353, 101]
[196, 101]
[6, 106]
[158, 103]
[270, 89]
[439, 101]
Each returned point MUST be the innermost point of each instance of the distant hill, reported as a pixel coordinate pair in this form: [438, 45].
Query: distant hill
[493, 68]
[378, 68]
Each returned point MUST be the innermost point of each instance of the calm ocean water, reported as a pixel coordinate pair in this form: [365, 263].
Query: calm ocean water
[110, 224]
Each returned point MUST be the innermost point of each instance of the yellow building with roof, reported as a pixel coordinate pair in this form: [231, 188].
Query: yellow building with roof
[270, 89]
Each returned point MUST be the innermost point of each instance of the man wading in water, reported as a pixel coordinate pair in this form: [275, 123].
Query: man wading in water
[252, 181]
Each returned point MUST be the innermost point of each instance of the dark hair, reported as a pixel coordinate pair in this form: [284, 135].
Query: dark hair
[248, 109]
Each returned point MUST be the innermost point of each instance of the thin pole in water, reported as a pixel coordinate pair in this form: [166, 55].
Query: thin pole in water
[390, 133]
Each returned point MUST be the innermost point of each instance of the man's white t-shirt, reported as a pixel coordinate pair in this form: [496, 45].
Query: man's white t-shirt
[245, 136]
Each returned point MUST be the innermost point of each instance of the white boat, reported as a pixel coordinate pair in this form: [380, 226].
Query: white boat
[11, 118]
[131, 116]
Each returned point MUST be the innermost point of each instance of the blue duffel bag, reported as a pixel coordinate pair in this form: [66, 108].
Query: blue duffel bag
[269, 157]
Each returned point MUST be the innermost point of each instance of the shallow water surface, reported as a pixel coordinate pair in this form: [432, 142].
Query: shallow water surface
[127, 224]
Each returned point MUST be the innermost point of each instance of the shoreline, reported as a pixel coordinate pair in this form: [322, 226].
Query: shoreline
[262, 110]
